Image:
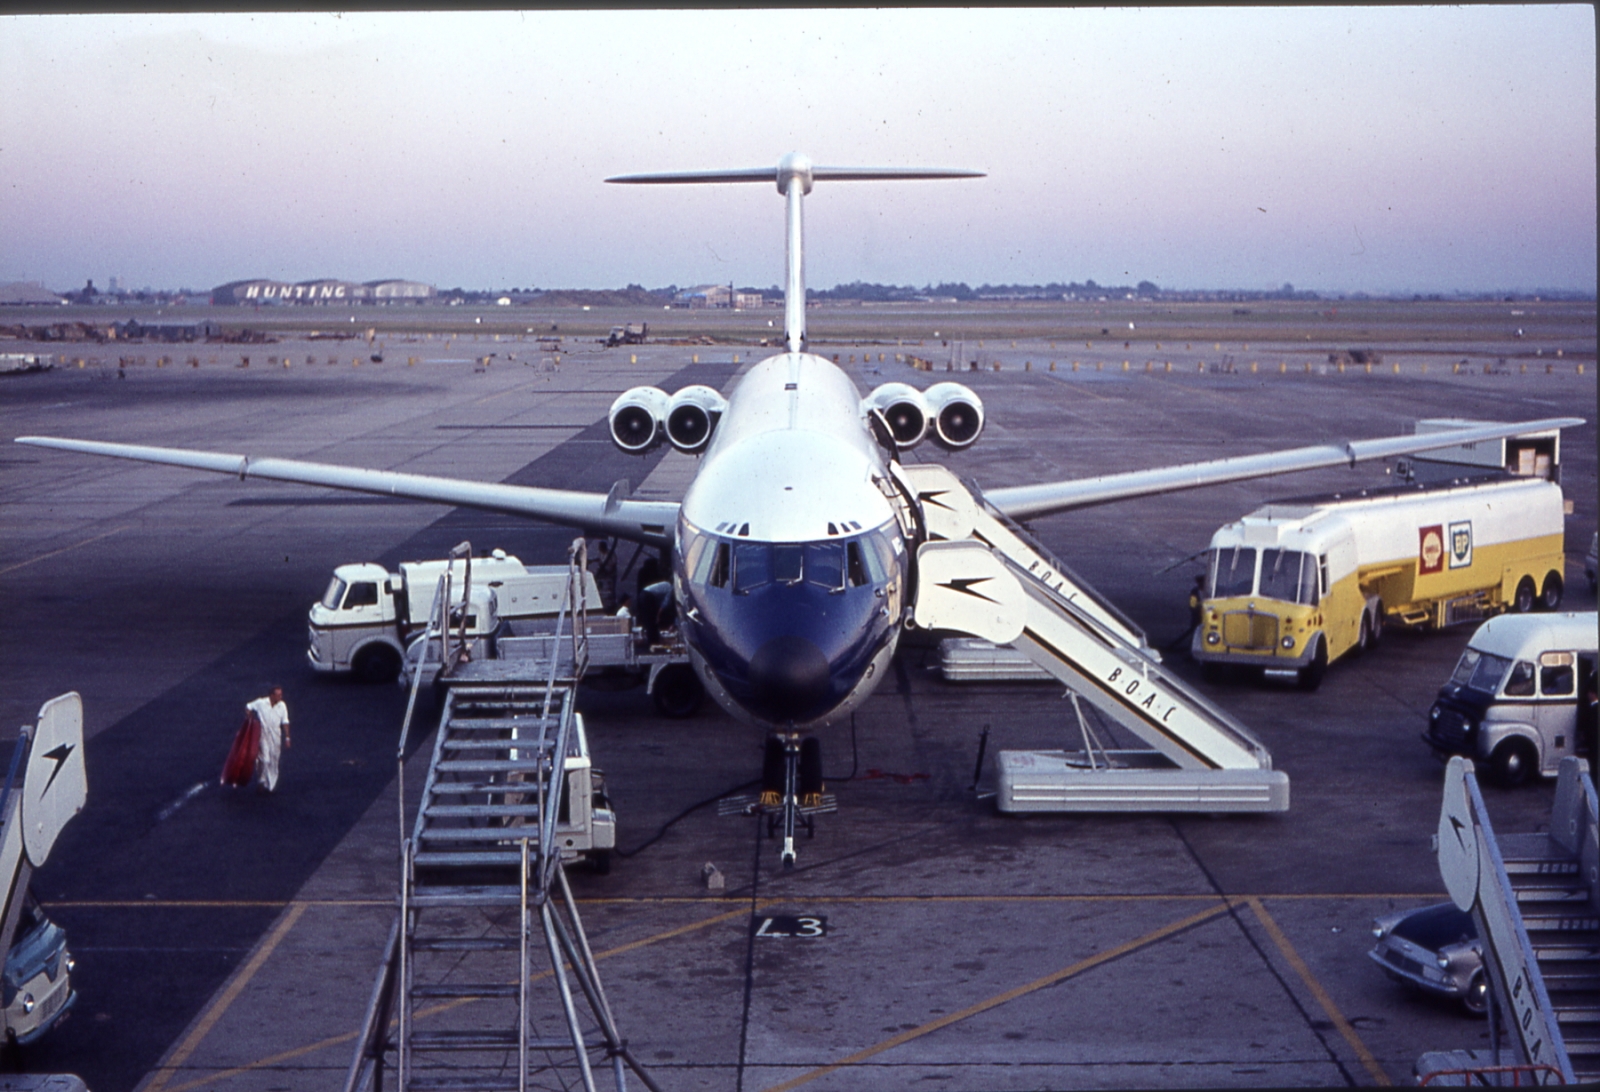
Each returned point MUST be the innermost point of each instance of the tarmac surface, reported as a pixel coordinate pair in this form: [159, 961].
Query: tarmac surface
[228, 941]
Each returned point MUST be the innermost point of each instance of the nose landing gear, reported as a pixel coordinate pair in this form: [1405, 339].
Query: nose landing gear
[792, 792]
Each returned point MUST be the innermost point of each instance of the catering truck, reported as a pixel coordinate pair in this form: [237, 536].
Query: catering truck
[369, 615]
[1298, 583]
[1522, 697]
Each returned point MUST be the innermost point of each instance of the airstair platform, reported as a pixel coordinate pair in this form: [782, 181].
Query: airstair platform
[1535, 899]
[979, 574]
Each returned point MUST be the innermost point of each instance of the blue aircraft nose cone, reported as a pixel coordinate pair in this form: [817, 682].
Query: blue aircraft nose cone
[789, 679]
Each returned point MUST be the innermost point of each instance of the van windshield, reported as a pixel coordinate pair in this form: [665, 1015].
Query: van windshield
[1480, 670]
[334, 594]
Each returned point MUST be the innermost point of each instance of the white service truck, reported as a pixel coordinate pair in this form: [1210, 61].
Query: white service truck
[368, 616]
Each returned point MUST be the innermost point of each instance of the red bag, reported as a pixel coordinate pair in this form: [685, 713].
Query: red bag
[241, 764]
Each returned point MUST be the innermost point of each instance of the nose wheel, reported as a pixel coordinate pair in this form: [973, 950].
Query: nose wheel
[791, 791]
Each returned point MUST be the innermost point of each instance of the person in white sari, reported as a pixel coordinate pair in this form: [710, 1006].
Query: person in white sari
[274, 717]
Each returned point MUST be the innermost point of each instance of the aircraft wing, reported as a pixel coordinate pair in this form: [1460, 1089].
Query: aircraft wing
[639, 521]
[1027, 501]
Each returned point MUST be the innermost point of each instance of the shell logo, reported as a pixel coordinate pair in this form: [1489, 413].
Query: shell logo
[1430, 552]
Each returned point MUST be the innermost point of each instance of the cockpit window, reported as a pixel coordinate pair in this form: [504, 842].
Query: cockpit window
[752, 565]
[786, 563]
[855, 566]
[825, 565]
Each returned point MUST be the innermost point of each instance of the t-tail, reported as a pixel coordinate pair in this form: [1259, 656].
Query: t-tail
[794, 176]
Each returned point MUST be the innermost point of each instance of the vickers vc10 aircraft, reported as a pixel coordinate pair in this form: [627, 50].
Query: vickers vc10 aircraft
[795, 549]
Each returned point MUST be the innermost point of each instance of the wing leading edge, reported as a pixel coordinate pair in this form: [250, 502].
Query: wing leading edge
[1028, 501]
[640, 521]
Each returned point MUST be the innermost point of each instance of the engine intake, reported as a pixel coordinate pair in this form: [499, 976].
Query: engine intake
[692, 416]
[957, 415]
[638, 419]
[904, 409]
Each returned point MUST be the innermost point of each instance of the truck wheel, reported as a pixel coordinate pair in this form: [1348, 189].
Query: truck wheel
[1311, 674]
[376, 664]
[678, 691]
[1550, 597]
[1523, 602]
[1364, 641]
[1375, 637]
[1513, 762]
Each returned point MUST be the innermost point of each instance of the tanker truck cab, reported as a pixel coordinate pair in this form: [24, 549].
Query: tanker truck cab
[1281, 595]
[1522, 696]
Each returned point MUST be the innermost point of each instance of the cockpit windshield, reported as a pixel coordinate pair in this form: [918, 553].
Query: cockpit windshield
[836, 565]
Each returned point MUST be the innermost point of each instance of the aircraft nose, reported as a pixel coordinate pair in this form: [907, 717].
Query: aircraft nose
[789, 679]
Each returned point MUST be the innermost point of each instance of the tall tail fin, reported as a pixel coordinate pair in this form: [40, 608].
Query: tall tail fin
[794, 168]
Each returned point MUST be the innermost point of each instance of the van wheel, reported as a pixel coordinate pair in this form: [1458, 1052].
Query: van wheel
[376, 664]
[678, 691]
[1476, 999]
[1311, 674]
[1513, 762]
[1523, 601]
[1550, 597]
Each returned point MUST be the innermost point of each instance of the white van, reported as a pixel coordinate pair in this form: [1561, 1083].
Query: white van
[1522, 697]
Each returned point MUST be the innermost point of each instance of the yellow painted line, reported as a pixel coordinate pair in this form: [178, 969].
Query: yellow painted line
[1367, 1060]
[1000, 999]
[64, 549]
[220, 1006]
[349, 1037]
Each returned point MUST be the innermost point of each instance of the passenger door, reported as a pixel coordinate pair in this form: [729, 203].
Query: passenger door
[1556, 712]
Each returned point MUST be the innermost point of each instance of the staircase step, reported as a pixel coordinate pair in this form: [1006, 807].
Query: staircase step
[465, 990]
[1584, 1013]
[437, 895]
[498, 743]
[1563, 976]
[461, 1082]
[476, 1039]
[468, 859]
[464, 944]
[1551, 892]
[482, 811]
[493, 788]
[492, 765]
[1569, 952]
[507, 836]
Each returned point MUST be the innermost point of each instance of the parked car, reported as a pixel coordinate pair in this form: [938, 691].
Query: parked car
[1435, 948]
[37, 986]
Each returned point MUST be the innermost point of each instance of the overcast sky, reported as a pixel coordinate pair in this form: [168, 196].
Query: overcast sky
[1339, 149]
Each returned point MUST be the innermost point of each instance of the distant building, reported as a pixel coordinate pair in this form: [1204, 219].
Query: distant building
[719, 296]
[323, 291]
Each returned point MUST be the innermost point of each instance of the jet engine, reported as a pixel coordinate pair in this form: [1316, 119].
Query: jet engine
[904, 409]
[638, 419]
[957, 415]
[692, 415]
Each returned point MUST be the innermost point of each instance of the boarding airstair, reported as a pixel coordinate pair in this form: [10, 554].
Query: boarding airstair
[979, 574]
[1535, 900]
[489, 983]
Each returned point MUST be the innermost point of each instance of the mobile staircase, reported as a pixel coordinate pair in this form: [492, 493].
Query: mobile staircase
[979, 574]
[477, 987]
[1535, 899]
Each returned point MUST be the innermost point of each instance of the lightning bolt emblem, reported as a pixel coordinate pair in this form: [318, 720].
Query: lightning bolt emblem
[59, 754]
[964, 586]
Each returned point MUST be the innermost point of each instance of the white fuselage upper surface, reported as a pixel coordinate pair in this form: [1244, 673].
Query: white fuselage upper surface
[790, 456]
[791, 565]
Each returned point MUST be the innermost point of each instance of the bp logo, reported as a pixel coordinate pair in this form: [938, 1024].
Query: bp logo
[1461, 544]
[1430, 549]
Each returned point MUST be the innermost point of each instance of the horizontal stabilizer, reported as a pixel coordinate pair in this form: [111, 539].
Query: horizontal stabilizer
[770, 174]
